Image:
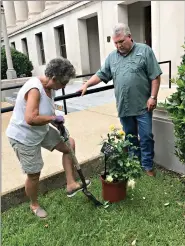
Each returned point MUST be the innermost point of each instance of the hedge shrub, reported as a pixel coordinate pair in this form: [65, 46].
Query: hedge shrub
[175, 106]
[21, 63]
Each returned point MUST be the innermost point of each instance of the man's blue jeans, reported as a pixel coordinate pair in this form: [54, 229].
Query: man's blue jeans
[142, 125]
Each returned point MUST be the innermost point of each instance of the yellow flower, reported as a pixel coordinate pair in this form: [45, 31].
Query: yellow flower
[109, 178]
[112, 127]
[121, 133]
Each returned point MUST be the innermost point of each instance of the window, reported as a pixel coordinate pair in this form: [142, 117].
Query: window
[13, 45]
[25, 47]
[40, 47]
[61, 41]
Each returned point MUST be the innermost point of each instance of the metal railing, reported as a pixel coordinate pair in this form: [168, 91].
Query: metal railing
[170, 71]
[76, 94]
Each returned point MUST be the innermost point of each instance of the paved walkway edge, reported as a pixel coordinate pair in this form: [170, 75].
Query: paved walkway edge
[55, 181]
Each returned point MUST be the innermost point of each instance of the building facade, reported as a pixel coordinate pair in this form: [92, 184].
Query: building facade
[81, 30]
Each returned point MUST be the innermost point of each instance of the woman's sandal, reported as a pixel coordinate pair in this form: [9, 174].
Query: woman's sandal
[40, 212]
[73, 192]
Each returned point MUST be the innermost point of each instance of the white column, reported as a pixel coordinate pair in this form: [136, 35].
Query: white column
[21, 11]
[50, 4]
[155, 12]
[35, 7]
[9, 13]
[11, 73]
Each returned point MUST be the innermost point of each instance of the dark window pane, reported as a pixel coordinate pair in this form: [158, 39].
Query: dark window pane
[63, 51]
[62, 43]
[13, 45]
[25, 46]
[41, 48]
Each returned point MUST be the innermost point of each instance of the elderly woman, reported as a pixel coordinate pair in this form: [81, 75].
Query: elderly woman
[29, 129]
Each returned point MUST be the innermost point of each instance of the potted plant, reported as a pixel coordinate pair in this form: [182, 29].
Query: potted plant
[120, 167]
[175, 106]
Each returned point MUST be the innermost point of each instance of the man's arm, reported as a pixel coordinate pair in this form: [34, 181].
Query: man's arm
[155, 87]
[152, 101]
[154, 72]
[94, 80]
[103, 74]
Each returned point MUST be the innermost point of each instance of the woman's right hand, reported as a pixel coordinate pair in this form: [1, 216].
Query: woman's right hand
[58, 122]
[58, 119]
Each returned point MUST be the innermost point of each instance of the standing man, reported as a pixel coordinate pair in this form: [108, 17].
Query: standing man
[136, 76]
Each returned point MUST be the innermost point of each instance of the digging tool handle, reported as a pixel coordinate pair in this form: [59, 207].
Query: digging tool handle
[77, 165]
[63, 132]
[105, 171]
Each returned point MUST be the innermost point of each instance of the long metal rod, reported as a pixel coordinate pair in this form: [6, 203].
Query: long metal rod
[170, 74]
[84, 75]
[90, 91]
[77, 94]
[164, 62]
[78, 76]
[68, 96]
[64, 101]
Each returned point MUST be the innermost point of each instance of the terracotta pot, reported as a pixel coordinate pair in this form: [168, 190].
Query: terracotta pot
[113, 192]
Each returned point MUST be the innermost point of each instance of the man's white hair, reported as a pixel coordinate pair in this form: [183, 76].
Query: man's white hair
[121, 28]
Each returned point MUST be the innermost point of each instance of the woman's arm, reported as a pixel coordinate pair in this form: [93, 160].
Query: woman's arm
[32, 116]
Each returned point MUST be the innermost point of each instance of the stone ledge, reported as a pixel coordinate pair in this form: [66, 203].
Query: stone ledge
[160, 113]
[13, 82]
[20, 81]
[165, 142]
[55, 181]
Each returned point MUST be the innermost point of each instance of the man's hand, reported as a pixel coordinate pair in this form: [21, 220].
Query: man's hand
[83, 89]
[151, 104]
[94, 80]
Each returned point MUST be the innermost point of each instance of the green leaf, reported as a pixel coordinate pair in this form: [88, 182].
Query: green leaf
[180, 83]
[120, 163]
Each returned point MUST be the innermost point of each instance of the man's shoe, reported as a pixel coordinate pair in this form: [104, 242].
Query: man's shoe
[150, 173]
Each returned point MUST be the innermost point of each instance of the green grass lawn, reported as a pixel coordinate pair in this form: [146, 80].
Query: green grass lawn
[152, 214]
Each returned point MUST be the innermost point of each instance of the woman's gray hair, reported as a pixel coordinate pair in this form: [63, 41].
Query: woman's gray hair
[121, 28]
[61, 68]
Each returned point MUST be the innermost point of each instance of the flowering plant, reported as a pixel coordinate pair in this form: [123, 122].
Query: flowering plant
[121, 166]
